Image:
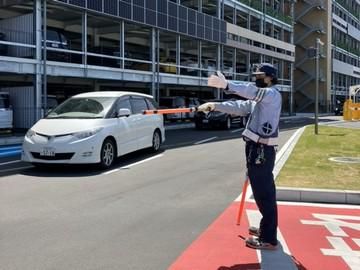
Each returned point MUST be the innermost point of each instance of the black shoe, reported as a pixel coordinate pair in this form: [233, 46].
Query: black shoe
[256, 243]
[254, 231]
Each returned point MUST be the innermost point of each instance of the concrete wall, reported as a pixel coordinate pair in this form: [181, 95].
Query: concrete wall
[22, 99]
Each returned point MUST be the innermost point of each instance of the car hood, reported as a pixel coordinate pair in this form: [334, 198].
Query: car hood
[54, 127]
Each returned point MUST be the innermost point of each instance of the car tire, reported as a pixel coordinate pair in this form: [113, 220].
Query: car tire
[198, 126]
[243, 122]
[227, 123]
[107, 154]
[156, 141]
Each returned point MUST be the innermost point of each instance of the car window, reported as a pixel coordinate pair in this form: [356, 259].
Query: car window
[124, 104]
[52, 35]
[180, 102]
[138, 104]
[152, 105]
[83, 107]
[166, 102]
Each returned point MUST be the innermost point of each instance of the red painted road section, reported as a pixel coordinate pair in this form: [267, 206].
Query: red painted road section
[221, 248]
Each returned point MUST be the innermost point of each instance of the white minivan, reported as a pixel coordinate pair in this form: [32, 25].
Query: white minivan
[6, 112]
[94, 127]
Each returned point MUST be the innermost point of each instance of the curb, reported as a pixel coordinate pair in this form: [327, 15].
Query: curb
[317, 195]
[11, 140]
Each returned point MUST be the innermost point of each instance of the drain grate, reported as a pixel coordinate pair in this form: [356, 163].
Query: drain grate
[346, 159]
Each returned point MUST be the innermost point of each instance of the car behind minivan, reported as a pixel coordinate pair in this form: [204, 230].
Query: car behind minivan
[172, 103]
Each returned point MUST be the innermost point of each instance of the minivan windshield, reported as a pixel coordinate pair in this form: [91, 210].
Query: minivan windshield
[84, 107]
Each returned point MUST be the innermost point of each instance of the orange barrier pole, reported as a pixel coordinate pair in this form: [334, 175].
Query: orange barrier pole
[169, 111]
[242, 201]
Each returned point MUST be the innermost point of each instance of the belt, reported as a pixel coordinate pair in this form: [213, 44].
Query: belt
[251, 136]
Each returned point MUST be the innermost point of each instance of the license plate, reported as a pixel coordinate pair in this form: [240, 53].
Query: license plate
[205, 121]
[47, 152]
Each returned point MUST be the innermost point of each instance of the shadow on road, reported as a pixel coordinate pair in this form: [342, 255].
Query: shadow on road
[81, 171]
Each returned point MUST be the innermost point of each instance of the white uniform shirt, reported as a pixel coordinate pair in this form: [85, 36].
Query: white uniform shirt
[264, 107]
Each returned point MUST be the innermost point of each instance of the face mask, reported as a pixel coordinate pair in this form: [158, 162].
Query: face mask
[260, 83]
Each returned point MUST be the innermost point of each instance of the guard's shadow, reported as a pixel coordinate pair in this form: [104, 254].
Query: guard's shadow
[270, 260]
[279, 260]
[245, 266]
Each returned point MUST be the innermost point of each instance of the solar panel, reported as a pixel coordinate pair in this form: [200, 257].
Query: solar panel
[161, 13]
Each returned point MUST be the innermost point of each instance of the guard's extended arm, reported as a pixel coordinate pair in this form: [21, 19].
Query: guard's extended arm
[238, 107]
[250, 91]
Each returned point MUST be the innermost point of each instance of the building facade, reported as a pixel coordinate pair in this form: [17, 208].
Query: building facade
[58, 48]
[336, 23]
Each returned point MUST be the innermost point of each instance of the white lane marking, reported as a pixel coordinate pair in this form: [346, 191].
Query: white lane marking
[237, 130]
[341, 249]
[131, 165]
[277, 259]
[10, 162]
[206, 140]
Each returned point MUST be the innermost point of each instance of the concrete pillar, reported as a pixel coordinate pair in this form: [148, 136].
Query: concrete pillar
[38, 78]
[84, 40]
[154, 66]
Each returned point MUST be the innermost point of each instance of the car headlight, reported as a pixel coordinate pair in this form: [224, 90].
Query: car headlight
[30, 133]
[86, 134]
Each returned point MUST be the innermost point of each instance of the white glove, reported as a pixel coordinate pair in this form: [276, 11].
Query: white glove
[218, 81]
[206, 107]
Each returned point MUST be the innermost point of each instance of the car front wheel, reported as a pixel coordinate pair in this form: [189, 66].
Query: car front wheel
[227, 124]
[156, 141]
[107, 154]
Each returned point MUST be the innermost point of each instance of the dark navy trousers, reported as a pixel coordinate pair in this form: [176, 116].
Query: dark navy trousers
[260, 164]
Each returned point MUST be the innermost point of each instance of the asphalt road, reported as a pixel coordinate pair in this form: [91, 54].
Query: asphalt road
[141, 214]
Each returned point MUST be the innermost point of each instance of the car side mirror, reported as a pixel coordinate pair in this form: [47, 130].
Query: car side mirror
[124, 112]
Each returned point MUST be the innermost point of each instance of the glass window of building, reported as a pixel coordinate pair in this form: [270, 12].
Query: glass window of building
[277, 33]
[10, 31]
[189, 56]
[242, 65]
[267, 59]
[228, 62]
[228, 14]
[167, 52]
[287, 71]
[64, 33]
[255, 59]
[137, 48]
[194, 4]
[277, 64]
[209, 52]
[287, 36]
[103, 41]
[268, 29]
[255, 24]
[210, 7]
[242, 19]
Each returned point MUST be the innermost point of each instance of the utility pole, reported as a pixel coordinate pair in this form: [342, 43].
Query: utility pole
[318, 44]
